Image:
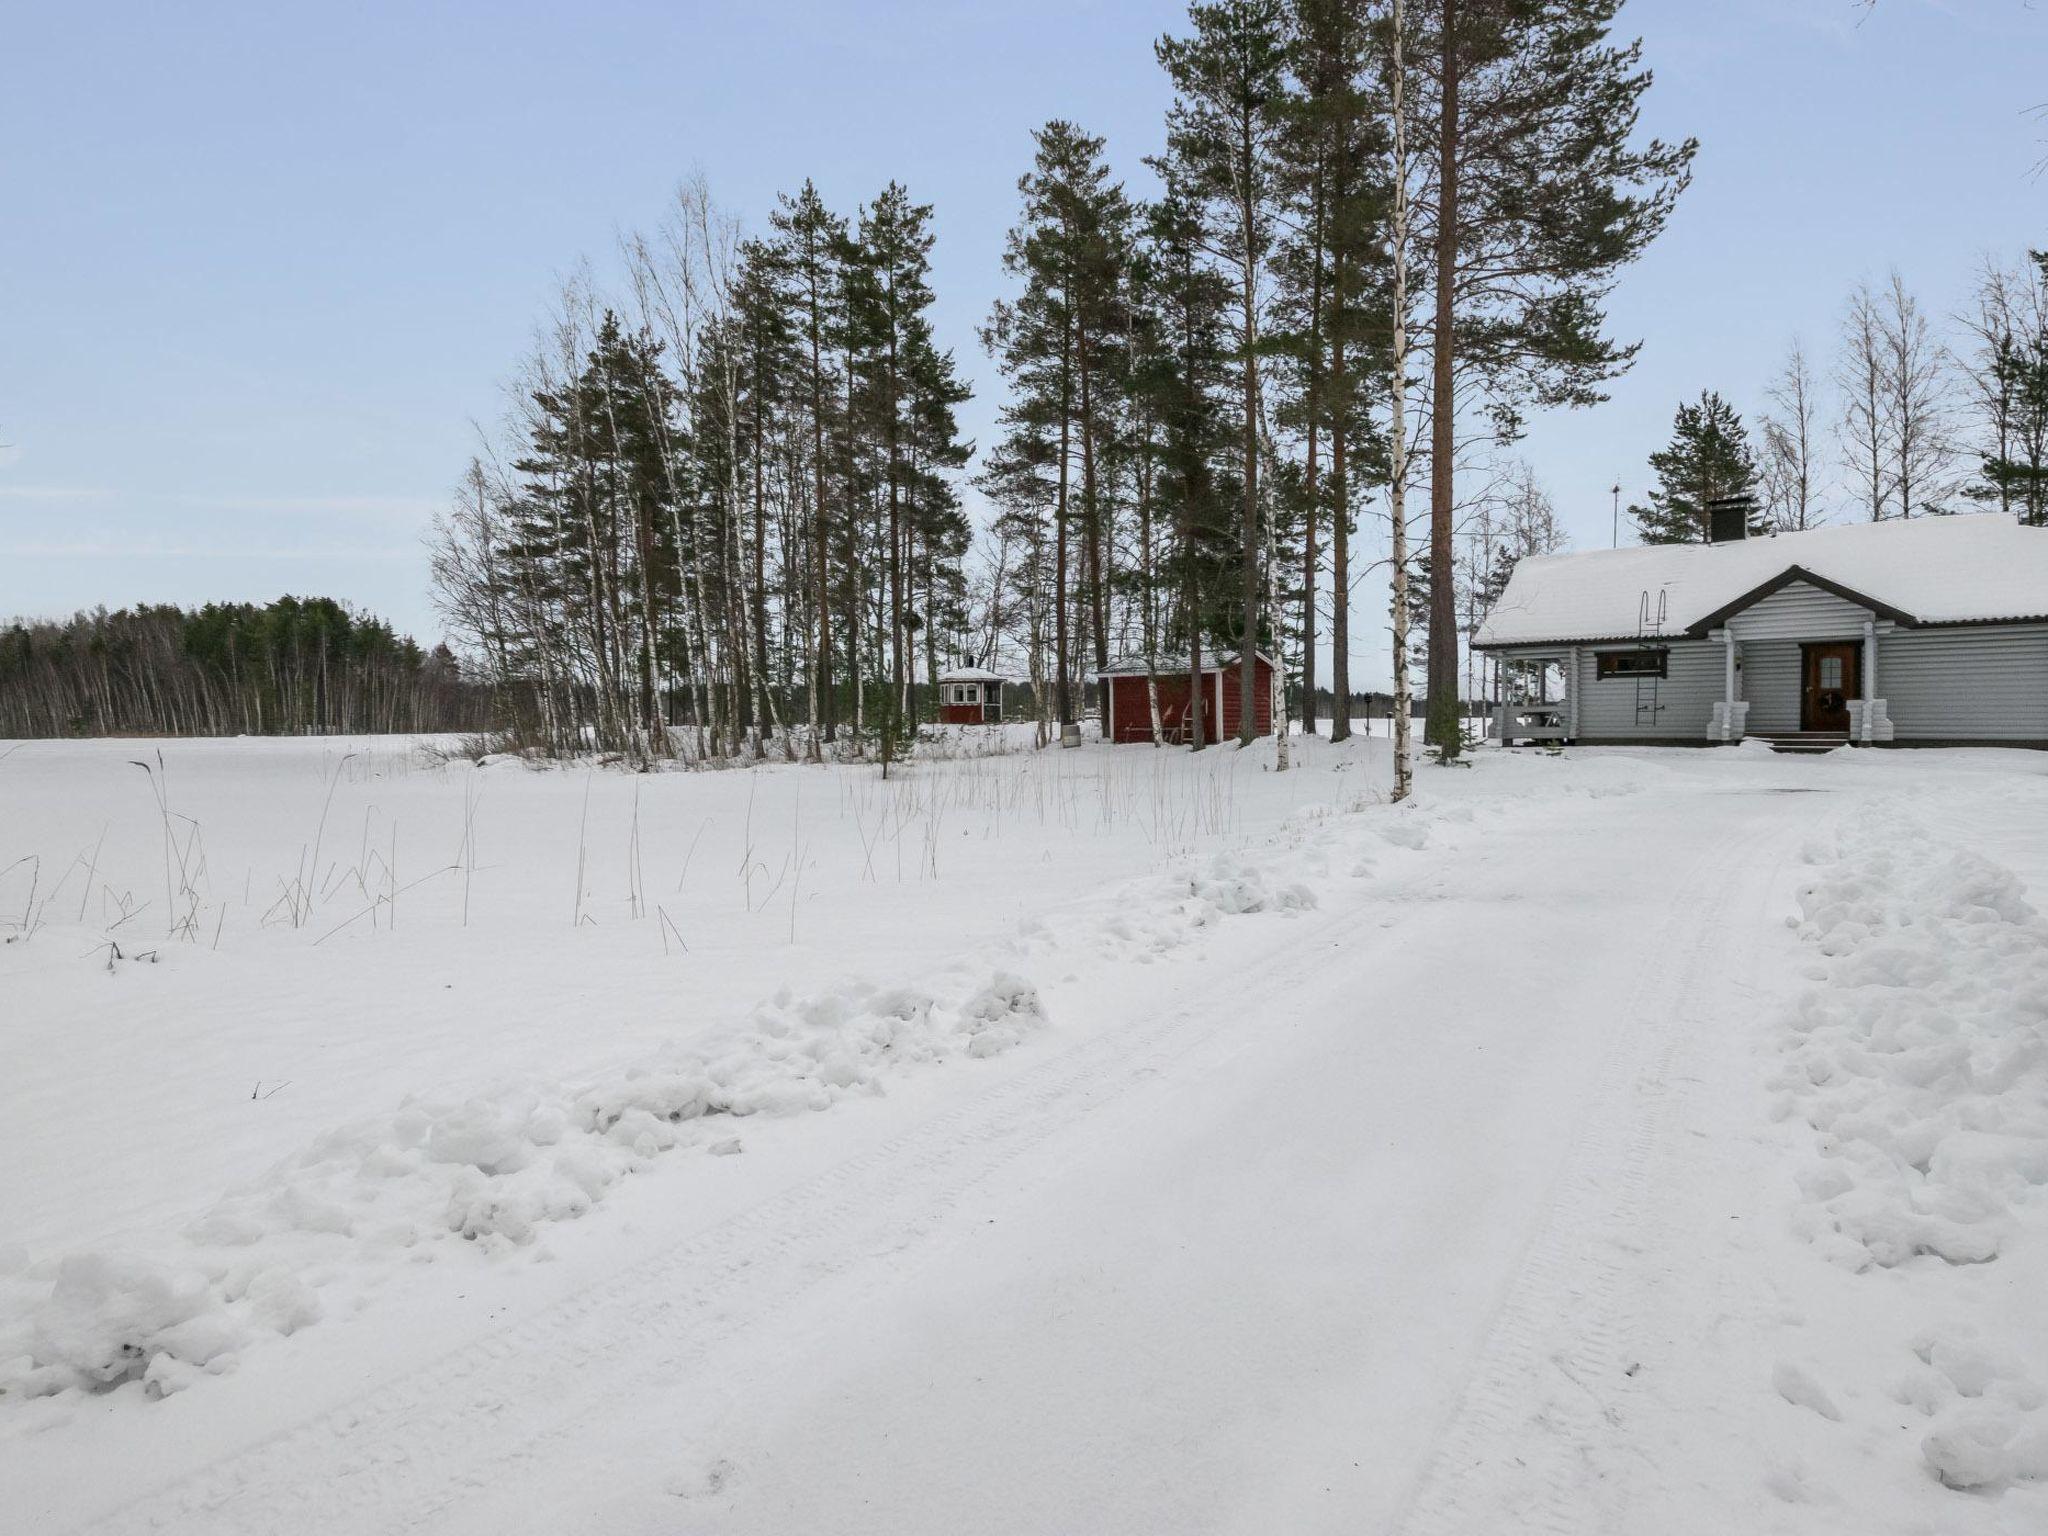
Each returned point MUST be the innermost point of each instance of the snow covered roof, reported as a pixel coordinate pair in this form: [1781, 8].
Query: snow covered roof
[970, 675]
[1937, 570]
[1172, 664]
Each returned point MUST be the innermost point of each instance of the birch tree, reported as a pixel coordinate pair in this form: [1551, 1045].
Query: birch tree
[1790, 430]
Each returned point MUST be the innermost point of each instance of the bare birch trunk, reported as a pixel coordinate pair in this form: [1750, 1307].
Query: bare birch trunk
[1397, 491]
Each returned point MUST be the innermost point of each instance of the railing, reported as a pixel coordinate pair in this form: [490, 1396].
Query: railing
[1529, 722]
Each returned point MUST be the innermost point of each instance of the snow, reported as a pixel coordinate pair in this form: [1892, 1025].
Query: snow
[1601, 1142]
[1977, 567]
[1167, 664]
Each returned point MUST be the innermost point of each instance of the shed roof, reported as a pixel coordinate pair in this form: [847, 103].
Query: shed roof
[970, 675]
[1171, 666]
[1973, 569]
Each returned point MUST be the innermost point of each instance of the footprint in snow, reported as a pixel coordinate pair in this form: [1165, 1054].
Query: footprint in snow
[709, 1483]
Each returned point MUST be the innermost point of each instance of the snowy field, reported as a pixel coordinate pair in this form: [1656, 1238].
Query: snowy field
[1108, 1140]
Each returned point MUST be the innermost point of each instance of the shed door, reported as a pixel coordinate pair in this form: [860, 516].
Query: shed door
[1833, 675]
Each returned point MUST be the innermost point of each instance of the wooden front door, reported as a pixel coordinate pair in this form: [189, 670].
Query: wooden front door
[1831, 676]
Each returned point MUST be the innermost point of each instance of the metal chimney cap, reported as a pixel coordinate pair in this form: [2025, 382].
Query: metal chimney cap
[1728, 517]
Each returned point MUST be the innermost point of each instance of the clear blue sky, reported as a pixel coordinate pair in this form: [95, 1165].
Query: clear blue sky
[261, 265]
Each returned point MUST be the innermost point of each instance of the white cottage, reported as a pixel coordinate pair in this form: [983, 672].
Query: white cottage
[1932, 632]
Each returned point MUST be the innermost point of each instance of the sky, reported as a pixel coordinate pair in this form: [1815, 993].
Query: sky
[263, 268]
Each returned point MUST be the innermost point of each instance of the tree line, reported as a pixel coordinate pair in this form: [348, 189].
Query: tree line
[296, 666]
[1913, 419]
[727, 500]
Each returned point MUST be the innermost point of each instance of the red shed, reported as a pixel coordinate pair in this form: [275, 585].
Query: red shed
[970, 696]
[1130, 713]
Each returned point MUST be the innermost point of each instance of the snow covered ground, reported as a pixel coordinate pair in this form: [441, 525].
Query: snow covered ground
[1067, 1141]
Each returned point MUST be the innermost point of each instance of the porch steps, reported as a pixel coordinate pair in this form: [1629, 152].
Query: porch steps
[1804, 742]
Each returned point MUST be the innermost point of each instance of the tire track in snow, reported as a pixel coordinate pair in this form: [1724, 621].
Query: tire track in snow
[400, 1454]
[1513, 1449]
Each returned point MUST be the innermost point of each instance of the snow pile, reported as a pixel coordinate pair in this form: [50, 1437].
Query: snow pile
[1987, 1428]
[1148, 919]
[1922, 1062]
[492, 1170]
[1231, 884]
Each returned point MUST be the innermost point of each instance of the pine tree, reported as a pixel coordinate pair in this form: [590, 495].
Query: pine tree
[1708, 457]
[892, 297]
[1223, 137]
[809, 238]
[1540, 196]
[1180, 377]
[1330, 326]
[1057, 343]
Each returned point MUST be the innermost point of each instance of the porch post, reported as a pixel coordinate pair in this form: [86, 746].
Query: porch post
[1869, 689]
[1730, 715]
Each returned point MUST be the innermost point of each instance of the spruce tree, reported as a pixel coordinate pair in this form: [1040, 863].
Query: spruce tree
[1708, 457]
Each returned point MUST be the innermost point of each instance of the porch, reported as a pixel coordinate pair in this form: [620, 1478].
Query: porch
[1535, 697]
[1813, 686]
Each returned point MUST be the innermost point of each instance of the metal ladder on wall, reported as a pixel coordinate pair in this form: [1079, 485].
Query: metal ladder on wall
[1649, 631]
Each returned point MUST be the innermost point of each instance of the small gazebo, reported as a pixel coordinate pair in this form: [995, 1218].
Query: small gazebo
[970, 696]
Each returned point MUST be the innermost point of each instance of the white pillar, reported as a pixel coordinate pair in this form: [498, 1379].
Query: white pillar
[1869, 670]
[1731, 714]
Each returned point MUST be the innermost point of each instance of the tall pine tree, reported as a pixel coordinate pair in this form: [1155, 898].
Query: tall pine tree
[1538, 196]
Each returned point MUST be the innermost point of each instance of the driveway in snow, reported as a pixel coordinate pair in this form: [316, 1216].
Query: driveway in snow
[1447, 1201]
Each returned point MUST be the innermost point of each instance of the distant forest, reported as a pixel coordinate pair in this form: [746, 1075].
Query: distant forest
[296, 666]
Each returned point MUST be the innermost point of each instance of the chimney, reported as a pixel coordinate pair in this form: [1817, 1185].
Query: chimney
[1728, 517]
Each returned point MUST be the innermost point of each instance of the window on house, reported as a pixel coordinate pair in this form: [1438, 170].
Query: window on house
[1644, 663]
[1831, 672]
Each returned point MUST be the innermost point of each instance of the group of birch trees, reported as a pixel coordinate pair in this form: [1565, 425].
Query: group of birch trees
[1917, 416]
[296, 666]
[1914, 417]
